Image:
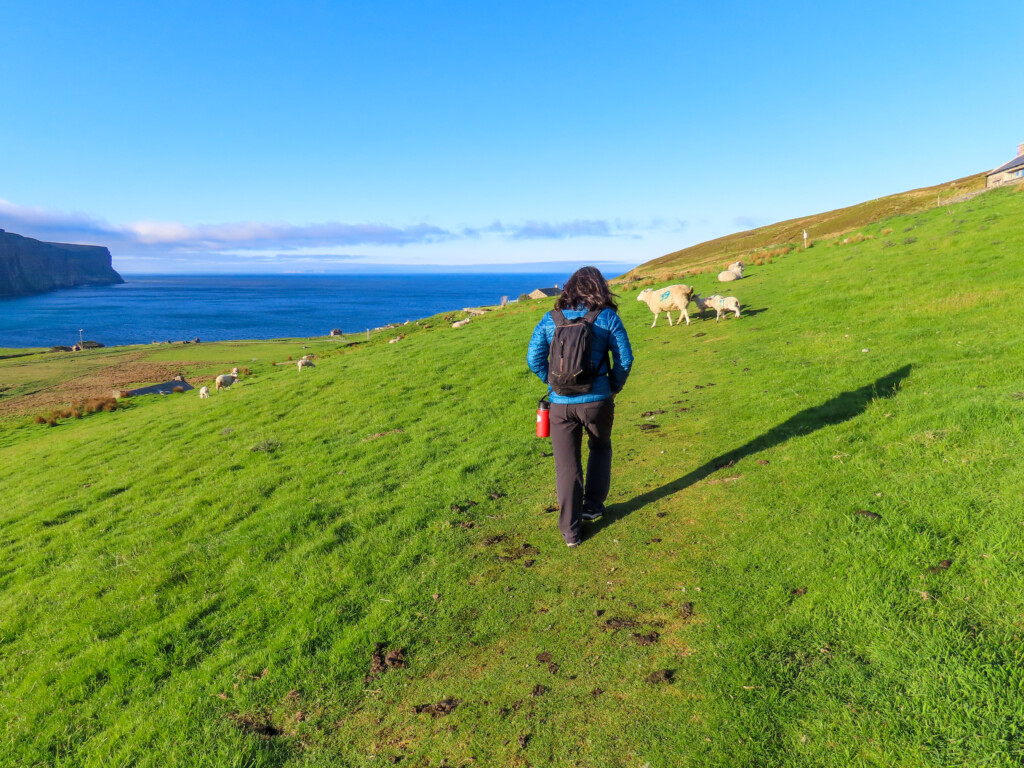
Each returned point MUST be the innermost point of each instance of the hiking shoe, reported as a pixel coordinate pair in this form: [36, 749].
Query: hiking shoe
[572, 543]
[590, 515]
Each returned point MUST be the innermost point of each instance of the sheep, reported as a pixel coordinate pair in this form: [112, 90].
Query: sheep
[720, 304]
[223, 381]
[234, 372]
[304, 363]
[204, 392]
[460, 323]
[733, 272]
[666, 300]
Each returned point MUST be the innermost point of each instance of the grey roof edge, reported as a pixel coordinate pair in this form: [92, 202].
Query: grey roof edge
[1017, 162]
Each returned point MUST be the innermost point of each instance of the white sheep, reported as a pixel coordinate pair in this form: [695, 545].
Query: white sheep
[234, 372]
[223, 381]
[204, 392]
[304, 363]
[460, 323]
[721, 305]
[733, 272]
[666, 300]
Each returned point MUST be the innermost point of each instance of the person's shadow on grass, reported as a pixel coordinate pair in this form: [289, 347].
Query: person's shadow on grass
[840, 408]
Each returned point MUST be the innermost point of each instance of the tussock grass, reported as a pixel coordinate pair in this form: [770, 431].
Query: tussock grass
[767, 588]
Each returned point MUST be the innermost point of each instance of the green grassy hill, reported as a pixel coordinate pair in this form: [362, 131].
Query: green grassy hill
[811, 557]
[785, 236]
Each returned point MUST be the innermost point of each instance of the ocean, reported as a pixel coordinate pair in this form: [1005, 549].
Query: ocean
[149, 308]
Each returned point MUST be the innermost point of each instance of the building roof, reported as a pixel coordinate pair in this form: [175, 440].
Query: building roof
[1017, 162]
[548, 291]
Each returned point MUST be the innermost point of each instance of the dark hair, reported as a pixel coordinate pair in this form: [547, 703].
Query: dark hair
[587, 287]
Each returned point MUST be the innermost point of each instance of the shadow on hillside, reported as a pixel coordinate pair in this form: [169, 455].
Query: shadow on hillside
[840, 408]
[709, 314]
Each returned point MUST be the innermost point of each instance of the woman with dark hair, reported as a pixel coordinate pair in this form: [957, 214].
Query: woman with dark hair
[586, 298]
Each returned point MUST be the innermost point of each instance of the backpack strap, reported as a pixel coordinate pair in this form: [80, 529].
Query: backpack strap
[558, 318]
[592, 315]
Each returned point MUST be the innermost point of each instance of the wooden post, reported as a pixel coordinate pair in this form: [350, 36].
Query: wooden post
[504, 301]
[367, 334]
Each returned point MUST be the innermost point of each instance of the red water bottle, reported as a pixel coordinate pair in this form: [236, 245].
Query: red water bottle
[543, 420]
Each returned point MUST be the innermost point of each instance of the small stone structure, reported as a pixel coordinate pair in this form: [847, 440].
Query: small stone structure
[1008, 173]
[541, 293]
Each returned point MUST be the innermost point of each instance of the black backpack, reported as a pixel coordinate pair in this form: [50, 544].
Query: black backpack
[570, 370]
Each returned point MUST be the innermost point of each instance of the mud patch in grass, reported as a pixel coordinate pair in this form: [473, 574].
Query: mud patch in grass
[255, 723]
[440, 709]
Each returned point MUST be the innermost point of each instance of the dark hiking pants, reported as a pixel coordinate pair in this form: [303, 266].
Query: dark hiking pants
[568, 421]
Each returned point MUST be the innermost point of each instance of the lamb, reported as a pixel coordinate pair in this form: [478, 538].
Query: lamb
[304, 363]
[720, 304]
[204, 392]
[666, 300]
[733, 272]
[223, 381]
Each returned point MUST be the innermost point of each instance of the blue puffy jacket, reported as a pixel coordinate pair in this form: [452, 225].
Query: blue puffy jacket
[609, 334]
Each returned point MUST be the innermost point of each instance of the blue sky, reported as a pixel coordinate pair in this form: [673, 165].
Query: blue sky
[308, 136]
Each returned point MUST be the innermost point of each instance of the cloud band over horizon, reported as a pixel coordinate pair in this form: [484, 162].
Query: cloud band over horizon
[172, 237]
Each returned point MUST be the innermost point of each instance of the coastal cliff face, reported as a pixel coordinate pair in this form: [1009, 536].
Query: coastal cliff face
[30, 266]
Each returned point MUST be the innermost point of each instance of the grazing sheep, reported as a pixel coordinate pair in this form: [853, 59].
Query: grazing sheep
[204, 392]
[304, 363]
[733, 272]
[399, 337]
[666, 300]
[720, 304]
[223, 381]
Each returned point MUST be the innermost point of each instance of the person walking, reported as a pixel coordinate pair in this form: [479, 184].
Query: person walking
[583, 323]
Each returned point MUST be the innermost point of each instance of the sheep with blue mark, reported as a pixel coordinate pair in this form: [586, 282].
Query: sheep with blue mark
[674, 297]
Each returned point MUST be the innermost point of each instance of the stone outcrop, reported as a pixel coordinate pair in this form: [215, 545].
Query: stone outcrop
[31, 266]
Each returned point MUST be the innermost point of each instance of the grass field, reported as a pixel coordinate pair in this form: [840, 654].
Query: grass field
[755, 244]
[811, 555]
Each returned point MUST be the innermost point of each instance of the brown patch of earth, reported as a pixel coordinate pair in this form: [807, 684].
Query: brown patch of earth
[126, 374]
[381, 661]
[661, 676]
[518, 552]
[616, 624]
[440, 709]
[255, 723]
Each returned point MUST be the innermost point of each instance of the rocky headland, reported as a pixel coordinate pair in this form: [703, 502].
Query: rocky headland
[30, 266]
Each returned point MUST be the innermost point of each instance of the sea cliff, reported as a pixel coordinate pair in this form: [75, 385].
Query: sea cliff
[30, 266]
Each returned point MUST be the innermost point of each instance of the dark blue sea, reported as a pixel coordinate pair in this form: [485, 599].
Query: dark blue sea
[215, 308]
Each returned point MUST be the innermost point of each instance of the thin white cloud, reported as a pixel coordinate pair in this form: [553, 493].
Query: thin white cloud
[270, 239]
